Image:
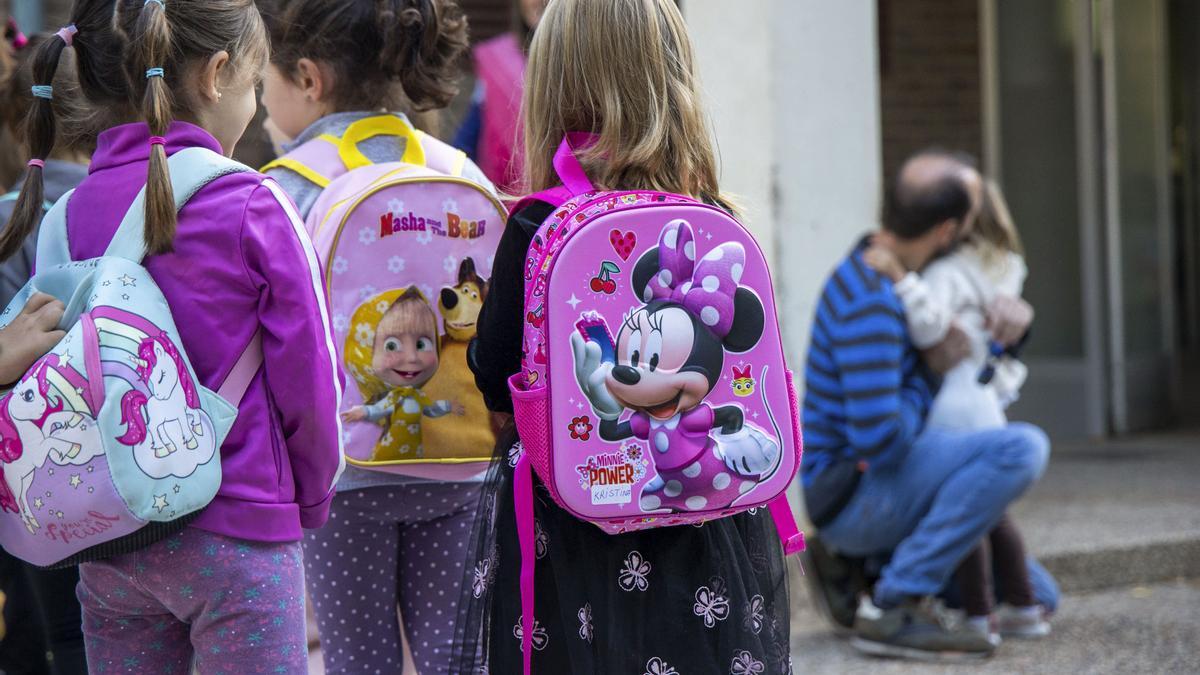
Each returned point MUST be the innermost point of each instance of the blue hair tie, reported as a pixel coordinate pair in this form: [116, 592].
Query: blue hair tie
[154, 72]
[43, 91]
[157, 2]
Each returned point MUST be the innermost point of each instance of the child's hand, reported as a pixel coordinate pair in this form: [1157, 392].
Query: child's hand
[885, 262]
[458, 409]
[33, 333]
[942, 357]
[355, 414]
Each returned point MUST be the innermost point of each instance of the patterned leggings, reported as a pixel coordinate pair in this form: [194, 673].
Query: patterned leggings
[382, 546]
[233, 606]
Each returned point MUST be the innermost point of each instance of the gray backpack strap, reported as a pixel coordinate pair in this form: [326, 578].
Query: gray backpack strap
[191, 169]
[52, 248]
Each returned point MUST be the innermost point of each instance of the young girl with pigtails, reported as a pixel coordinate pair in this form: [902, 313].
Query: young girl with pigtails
[226, 593]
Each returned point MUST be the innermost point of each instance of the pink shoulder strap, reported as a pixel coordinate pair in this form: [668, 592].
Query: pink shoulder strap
[523, 505]
[574, 181]
[238, 380]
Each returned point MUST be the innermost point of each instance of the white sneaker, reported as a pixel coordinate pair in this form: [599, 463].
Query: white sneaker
[1022, 622]
[982, 625]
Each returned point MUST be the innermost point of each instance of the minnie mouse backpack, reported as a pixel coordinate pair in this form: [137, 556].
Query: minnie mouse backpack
[109, 442]
[653, 390]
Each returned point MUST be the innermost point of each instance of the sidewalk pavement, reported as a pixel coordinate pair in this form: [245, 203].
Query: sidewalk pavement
[1117, 512]
[1136, 629]
[1118, 524]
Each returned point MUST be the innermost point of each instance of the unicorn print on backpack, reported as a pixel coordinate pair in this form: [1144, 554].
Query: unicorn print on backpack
[669, 356]
[169, 414]
[35, 427]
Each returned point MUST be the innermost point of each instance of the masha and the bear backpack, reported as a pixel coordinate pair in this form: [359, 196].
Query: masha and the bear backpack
[407, 248]
[653, 390]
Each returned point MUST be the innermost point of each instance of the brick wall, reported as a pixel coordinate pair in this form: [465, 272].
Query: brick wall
[929, 77]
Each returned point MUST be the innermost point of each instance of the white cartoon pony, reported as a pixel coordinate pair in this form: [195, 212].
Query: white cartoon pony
[34, 428]
[170, 417]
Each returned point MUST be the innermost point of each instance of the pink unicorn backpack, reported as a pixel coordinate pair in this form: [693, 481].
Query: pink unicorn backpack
[653, 390]
[407, 248]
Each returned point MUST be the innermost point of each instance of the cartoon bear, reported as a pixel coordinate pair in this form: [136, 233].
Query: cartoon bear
[459, 306]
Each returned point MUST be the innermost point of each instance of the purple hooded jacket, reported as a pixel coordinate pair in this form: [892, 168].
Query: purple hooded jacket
[241, 260]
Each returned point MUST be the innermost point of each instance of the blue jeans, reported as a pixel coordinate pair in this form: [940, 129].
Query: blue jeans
[933, 507]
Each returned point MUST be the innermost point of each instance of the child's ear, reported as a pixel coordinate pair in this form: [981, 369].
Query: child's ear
[209, 77]
[315, 79]
[749, 318]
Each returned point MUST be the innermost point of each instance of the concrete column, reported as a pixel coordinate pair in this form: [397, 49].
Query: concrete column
[825, 61]
[734, 55]
[793, 90]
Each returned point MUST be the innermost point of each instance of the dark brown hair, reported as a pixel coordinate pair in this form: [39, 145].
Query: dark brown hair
[117, 42]
[79, 133]
[393, 54]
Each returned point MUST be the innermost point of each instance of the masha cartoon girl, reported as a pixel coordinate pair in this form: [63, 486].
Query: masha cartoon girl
[405, 358]
[669, 356]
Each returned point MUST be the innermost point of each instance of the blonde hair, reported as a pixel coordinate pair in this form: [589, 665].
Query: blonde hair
[623, 70]
[995, 233]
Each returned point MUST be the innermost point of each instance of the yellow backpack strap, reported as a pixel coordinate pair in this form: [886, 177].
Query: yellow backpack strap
[304, 170]
[380, 125]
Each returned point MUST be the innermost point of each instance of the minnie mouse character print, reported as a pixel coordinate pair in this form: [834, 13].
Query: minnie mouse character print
[669, 356]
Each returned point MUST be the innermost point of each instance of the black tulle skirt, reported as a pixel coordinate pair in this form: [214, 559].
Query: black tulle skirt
[686, 600]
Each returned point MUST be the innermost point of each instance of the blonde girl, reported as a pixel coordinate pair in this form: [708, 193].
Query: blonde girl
[706, 599]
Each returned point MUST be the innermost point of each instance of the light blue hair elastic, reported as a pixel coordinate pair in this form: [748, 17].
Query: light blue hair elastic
[154, 72]
[42, 91]
[157, 2]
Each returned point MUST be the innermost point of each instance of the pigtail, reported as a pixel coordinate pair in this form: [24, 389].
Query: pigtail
[152, 49]
[422, 42]
[40, 130]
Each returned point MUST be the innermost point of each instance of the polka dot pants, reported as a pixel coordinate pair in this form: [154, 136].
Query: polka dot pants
[382, 547]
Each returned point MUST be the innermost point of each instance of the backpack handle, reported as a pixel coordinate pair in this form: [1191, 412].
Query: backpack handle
[567, 165]
[574, 180]
[381, 125]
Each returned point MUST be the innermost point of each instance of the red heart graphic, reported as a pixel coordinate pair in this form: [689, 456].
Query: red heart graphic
[623, 243]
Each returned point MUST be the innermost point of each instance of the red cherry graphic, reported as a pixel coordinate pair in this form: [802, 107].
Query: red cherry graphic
[535, 319]
[623, 243]
[603, 281]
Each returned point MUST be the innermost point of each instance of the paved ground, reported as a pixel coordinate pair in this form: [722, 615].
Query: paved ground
[1115, 494]
[1112, 520]
[1140, 629]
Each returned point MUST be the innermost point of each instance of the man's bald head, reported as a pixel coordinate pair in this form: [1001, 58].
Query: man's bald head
[932, 187]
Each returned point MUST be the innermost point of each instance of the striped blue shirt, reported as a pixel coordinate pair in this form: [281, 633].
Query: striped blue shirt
[867, 391]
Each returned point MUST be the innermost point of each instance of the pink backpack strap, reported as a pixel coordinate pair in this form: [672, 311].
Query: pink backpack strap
[442, 157]
[785, 524]
[523, 506]
[317, 161]
[574, 181]
[238, 380]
